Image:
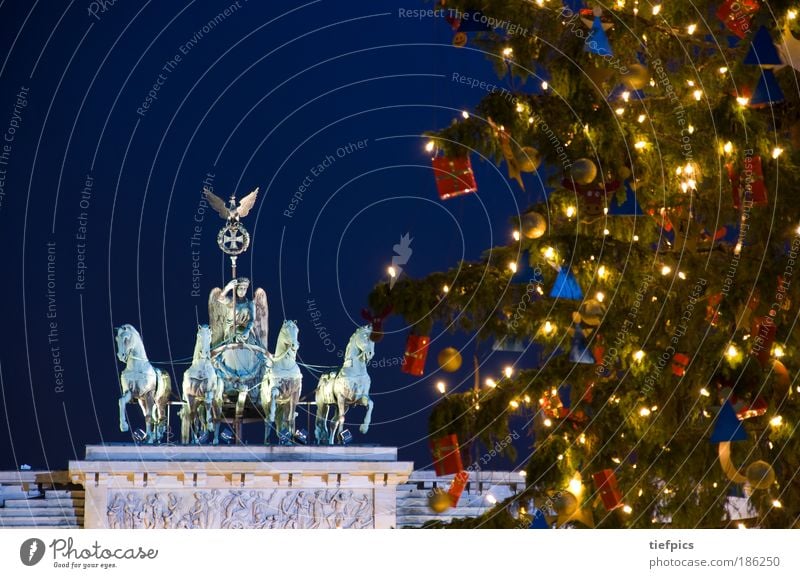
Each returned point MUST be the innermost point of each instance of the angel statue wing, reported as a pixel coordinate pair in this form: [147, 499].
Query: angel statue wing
[247, 203]
[217, 316]
[260, 325]
[217, 204]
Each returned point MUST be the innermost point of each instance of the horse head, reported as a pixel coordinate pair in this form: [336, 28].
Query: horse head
[202, 346]
[287, 339]
[127, 340]
[360, 345]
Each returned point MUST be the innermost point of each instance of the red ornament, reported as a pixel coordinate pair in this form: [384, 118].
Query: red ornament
[747, 182]
[593, 195]
[757, 408]
[454, 176]
[680, 361]
[415, 355]
[606, 483]
[762, 334]
[446, 455]
[457, 487]
[712, 315]
[737, 14]
[376, 321]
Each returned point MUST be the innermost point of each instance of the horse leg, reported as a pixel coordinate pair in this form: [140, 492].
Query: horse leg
[320, 423]
[123, 421]
[146, 404]
[186, 422]
[368, 416]
[341, 409]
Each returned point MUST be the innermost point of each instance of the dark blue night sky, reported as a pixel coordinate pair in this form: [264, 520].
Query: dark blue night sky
[111, 124]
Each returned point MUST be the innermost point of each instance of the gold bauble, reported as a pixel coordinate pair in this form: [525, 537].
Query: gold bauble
[533, 225]
[529, 159]
[583, 171]
[439, 500]
[460, 39]
[449, 359]
[760, 475]
[592, 312]
[637, 77]
[565, 504]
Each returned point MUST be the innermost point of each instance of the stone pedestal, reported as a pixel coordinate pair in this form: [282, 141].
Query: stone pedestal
[130, 486]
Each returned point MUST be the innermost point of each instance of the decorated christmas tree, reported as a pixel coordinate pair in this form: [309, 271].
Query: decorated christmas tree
[651, 294]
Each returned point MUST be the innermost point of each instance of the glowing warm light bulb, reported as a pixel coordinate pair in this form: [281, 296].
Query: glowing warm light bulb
[464, 114]
[490, 382]
[508, 371]
[445, 289]
[514, 404]
[601, 271]
[508, 51]
[723, 69]
[548, 422]
[776, 421]
[391, 271]
[441, 387]
[544, 85]
[641, 118]
[727, 148]
[704, 392]
[681, 275]
[742, 100]
[491, 499]
[620, 111]
[549, 253]
[606, 232]
[520, 108]
[656, 9]
[576, 485]
[777, 504]
[644, 412]
[548, 327]
[627, 509]
[778, 351]
[691, 28]
[522, 473]
[791, 14]
[570, 211]
[626, 96]
[741, 526]
[731, 352]
[513, 266]
[636, 237]
[600, 296]
[666, 270]
[638, 356]
[697, 94]
[640, 144]
[430, 146]
[797, 230]
[776, 152]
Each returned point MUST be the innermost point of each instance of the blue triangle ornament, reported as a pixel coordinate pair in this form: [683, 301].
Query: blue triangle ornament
[629, 207]
[762, 50]
[566, 286]
[538, 522]
[579, 352]
[597, 42]
[767, 90]
[727, 427]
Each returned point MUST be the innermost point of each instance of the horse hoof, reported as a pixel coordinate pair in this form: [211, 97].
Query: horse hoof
[364, 429]
[123, 427]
